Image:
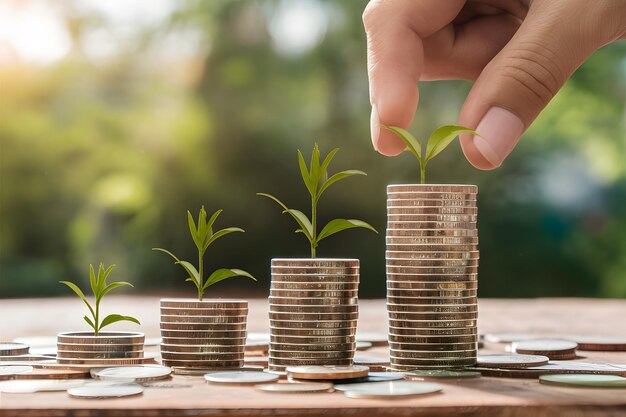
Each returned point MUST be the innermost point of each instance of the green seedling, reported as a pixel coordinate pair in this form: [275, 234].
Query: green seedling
[100, 288]
[317, 181]
[437, 142]
[203, 236]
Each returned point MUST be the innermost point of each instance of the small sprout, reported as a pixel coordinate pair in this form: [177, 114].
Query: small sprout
[317, 181]
[100, 288]
[437, 142]
[203, 236]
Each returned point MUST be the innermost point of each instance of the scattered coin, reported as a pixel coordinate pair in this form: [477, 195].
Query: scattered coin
[39, 385]
[552, 348]
[441, 373]
[327, 372]
[240, 377]
[510, 361]
[15, 369]
[12, 349]
[143, 373]
[584, 380]
[105, 390]
[600, 343]
[363, 345]
[299, 387]
[392, 389]
[371, 377]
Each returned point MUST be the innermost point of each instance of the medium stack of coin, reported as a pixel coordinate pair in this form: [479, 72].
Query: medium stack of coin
[108, 348]
[203, 334]
[432, 271]
[313, 312]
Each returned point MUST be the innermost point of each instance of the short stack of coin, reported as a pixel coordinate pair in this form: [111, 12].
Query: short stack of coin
[432, 272]
[203, 334]
[108, 348]
[313, 312]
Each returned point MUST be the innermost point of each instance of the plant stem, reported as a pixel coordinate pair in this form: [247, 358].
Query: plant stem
[423, 173]
[200, 274]
[96, 321]
[314, 224]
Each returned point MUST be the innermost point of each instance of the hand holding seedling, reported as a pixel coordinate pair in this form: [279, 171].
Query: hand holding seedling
[203, 236]
[100, 288]
[317, 181]
[437, 142]
[519, 53]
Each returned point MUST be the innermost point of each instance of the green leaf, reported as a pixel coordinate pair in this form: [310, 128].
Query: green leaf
[412, 143]
[176, 260]
[105, 275]
[80, 294]
[305, 174]
[221, 233]
[441, 138]
[113, 286]
[338, 225]
[192, 271]
[224, 273]
[92, 280]
[212, 220]
[315, 167]
[202, 227]
[337, 177]
[328, 159]
[302, 220]
[193, 230]
[114, 318]
[90, 323]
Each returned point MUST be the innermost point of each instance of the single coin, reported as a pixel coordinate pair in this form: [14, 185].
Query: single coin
[435, 331]
[371, 377]
[105, 390]
[431, 263]
[205, 304]
[441, 373]
[282, 331]
[11, 349]
[601, 343]
[282, 362]
[371, 361]
[407, 364]
[316, 340]
[552, 348]
[433, 347]
[425, 301]
[97, 347]
[432, 277]
[399, 367]
[143, 373]
[39, 385]
[584, 380]
[321, 286]
[376, 339]
[327, 372]
[256, 360]
[15, 369]
[240, 378]
[508, 337]
[432, 195]
[299, 387]
[322, 355]
[363, 345]
[394, 315]
[510, 361]
[433, 285]
[102, 338]
[214, 356]
[432, 354]
[314, 301]
[313, 270]
[392, 389]
[25, 358]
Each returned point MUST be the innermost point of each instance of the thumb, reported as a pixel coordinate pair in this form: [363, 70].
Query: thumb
[554, 39]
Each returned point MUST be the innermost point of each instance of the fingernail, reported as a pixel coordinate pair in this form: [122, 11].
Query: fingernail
[499, 131]
[374, 129]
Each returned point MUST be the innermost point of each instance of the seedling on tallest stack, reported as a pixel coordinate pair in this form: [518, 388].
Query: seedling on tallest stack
[317, 181]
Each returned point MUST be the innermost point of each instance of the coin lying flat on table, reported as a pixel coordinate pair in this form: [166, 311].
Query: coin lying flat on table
[15, 369]
[552, 348]
[299, 387]
[143, 373]
[556, 367]
[510, 361]
[441, 373]
[600, 343]
[105, 390]
[240, 378]
[10, 349]
[40, 385]
[371, 377]
[392, 389]
[584, 380]
[328, 372]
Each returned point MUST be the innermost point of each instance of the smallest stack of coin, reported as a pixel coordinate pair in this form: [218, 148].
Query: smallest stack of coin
[313, 312]
[108, 348]
[203, 334]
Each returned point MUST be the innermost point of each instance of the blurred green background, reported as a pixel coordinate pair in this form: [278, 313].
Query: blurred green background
[118, 116]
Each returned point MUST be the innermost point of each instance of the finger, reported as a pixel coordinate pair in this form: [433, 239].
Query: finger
[395, 29]
[520, 81]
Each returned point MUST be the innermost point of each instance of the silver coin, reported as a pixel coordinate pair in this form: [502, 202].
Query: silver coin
[299, 387]
[543, 345]
[240, 377]
[39, 385]
[371, 377]
[327, 372]
[15, 369]
[141, 373]
[393, 389]
[510, 361]
[9, 349]
[584, 380]
[105, 390]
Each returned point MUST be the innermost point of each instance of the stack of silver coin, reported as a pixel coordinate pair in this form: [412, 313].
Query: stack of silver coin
[432, 272]
[108, 348]
[313, 312]
[203, 334]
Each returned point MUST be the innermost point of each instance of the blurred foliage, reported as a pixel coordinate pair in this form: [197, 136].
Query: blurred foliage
[101, 158]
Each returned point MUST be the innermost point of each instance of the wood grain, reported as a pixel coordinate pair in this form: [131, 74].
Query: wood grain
[190, 396]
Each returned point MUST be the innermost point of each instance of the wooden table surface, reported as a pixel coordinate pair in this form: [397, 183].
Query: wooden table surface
[191, 396]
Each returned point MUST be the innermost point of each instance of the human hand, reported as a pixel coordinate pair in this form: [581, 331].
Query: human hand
[518, 52]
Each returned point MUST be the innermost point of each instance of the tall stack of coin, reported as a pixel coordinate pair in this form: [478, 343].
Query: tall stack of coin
[108, 348]
[313, 312]
[203, 334]
[432, 272]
